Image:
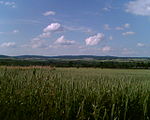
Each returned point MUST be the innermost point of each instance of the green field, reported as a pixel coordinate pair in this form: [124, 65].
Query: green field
[74, 94]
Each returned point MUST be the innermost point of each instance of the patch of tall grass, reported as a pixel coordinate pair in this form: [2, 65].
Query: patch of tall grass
[74, 94]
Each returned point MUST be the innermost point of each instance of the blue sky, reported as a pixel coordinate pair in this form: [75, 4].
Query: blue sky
[75, 27]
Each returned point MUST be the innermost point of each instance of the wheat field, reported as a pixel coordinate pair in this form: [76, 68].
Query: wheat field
[44, 93]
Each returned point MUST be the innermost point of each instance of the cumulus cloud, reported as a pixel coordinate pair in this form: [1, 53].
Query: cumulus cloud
[8, 3]
[39, 42]
[49, 30]
[139, 7]
[140, 44]
[62, 41]
[128, 33]
[94, 40]
[106, 49]
[49, 13]
[53, 27]
[8, 44]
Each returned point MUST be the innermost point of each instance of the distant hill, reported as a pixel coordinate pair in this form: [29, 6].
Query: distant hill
[77, 61]
[4, 56]
[72, 57]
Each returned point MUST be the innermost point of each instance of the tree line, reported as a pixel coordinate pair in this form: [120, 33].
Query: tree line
[77, 63]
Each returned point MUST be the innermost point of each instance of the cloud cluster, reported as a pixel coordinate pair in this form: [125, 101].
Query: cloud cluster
[124, 27]
[10, 4]
[50, 30]
[94, 40]
[139, 7]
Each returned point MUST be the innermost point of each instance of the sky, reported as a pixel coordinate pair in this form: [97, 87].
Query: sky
[75, 27]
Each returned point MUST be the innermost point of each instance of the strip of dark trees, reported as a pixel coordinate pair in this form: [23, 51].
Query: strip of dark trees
[77, 63]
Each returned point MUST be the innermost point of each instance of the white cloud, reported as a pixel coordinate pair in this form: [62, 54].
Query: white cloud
[128, 33]
[8, 44]
[53, 27]
[125, 26]
[139, 7]
[49, 30]
[94, 40]
[107, 27]
[42, 36]
[106, 49]
[62, 41]
[140, 44]
[106, 9]
[49, 13]
[8, 3]
[15, 31]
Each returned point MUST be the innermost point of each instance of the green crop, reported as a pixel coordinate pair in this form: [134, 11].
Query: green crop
[74, 94]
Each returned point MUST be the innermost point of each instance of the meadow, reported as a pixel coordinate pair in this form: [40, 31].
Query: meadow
[44, 93]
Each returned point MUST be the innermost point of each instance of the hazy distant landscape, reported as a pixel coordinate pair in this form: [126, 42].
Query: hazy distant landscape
[77, 61]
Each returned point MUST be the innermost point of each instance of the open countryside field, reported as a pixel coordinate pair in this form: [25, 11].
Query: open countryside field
[44, 93]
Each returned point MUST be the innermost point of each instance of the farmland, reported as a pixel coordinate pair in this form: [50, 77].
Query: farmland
[44, 93]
